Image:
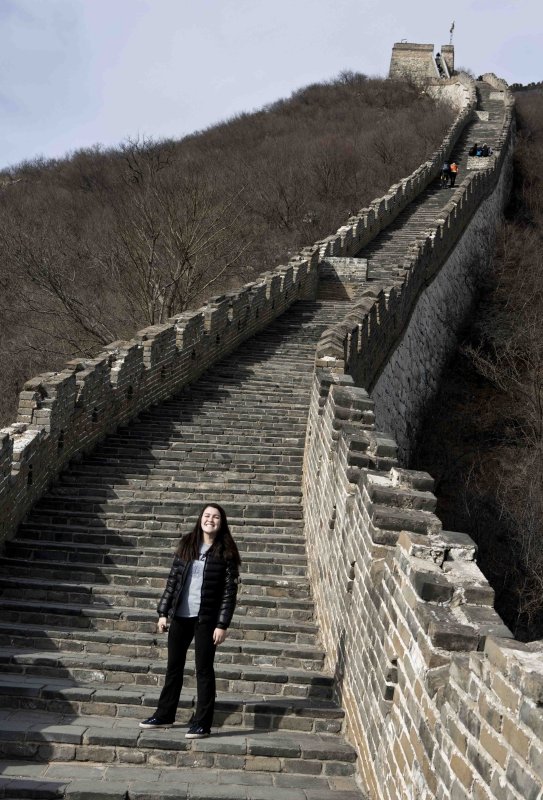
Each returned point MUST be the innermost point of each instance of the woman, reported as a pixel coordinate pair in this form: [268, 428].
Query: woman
[199, 600]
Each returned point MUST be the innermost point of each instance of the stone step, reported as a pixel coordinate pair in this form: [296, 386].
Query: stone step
[258, 710]
[77, 507]
[126, 618]
[231, 435]
[137, 672]
[102, 523]
[88, 474]
[185, 436]
[180, 471]
[158, 490]
[288, 564]
[124, 781]
[152, 645]
[246, 456]
[266, 585]
[57, 738]
[107, 596]
[166, 539]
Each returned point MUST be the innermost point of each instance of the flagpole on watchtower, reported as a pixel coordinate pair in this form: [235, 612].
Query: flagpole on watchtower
[451, 31]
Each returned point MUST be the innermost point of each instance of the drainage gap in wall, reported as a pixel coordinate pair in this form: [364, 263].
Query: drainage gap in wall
[332, 520]
[352, 575]
[391, 679]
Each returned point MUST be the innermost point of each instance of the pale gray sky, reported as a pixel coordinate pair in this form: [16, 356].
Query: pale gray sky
[77, 72]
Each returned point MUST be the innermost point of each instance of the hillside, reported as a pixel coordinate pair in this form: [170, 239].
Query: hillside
[103, 242]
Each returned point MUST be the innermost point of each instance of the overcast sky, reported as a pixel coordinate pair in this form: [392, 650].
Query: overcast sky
[77, 72]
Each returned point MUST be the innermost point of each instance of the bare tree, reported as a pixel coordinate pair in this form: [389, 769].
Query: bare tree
[174, 235]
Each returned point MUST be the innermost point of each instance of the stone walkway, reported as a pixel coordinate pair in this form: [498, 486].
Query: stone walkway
[81, 662]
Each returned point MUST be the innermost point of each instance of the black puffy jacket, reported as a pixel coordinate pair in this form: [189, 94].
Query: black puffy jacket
[219, 590]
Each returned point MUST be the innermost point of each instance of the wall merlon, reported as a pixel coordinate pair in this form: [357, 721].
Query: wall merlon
[459, 546]
[190, 330]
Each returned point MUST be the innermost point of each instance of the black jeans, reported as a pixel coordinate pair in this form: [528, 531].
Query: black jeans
[182, 631]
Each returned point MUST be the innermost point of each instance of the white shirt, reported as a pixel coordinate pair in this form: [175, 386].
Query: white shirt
[189, 605]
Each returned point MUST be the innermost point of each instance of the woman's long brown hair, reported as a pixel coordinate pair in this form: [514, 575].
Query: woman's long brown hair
[223, 547]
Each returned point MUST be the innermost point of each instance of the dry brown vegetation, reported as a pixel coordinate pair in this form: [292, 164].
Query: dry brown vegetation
[483, 438]
[102, 243]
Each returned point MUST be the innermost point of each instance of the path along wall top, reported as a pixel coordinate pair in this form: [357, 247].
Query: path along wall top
[360, 344]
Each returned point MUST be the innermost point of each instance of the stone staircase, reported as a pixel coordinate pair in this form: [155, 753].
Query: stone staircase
[386, 252]
[81, 662]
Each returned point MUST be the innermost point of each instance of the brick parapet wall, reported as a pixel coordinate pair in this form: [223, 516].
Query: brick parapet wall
[440, 700]
[67, 413]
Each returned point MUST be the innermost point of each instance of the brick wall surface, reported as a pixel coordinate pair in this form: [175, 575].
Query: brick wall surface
[441, 702]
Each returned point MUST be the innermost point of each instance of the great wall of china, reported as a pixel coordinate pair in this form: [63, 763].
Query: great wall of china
[365, 658]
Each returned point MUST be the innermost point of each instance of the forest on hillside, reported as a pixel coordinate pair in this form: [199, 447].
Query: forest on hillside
[102, 243]
[483, 436]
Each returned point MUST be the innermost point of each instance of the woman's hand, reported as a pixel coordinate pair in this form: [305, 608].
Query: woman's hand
[162, 624]
[219, 635]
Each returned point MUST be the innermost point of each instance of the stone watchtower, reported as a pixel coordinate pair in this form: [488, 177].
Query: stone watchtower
[418, 62]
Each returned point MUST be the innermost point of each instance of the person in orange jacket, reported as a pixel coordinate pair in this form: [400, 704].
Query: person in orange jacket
[453, 172]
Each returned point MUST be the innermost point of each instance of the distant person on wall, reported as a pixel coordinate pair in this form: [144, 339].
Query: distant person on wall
[444, 174]
[198, 603]
[453, 172]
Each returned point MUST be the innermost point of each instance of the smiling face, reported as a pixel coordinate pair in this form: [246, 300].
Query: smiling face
[210, 523]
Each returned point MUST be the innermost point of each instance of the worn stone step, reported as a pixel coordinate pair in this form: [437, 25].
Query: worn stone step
[133, 671]
[142, 598]
[246, 542]
[81, 554]
[168, 539]
[54, 737]
[267, 585]
[99, 514]
[80, 781]
[175, 485]
[145, 521]
[257, 710]
[130, 619]
[152, 645]
[158, 492]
